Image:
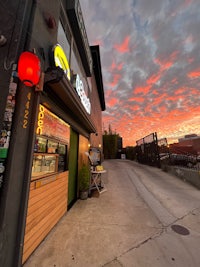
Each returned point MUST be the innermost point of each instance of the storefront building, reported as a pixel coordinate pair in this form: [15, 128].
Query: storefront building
[51, 117]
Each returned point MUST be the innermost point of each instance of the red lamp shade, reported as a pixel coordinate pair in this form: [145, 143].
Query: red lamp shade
[29, 68]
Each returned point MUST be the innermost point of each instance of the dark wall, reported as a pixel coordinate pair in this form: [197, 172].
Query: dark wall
[11, 21]
[44, 26]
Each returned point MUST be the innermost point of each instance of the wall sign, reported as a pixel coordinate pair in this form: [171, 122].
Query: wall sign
[60, 59]
[40, 121]
[81, 92]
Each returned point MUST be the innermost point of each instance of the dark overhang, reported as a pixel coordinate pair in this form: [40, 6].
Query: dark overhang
[58, 82]
[75, 17]
[98, 74]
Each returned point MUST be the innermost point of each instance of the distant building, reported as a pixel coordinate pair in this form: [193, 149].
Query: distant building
[190, 144]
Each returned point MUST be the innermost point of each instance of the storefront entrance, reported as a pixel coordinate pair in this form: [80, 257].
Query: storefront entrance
[49, 179]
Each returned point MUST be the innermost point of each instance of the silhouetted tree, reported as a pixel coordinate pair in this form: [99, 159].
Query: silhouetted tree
[110, 143]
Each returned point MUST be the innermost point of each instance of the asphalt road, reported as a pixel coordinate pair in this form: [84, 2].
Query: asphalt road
[145, 218]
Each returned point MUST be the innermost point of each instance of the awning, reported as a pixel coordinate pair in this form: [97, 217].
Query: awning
[58, 83]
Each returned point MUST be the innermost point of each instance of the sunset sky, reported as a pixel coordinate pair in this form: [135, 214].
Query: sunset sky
[150, 56]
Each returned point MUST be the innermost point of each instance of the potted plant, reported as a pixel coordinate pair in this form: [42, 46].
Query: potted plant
[84, 181]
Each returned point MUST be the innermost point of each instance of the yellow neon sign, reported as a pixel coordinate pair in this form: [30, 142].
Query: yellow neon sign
[40, 121]
[60, 59]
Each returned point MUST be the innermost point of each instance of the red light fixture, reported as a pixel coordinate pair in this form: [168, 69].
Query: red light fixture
[29, 68]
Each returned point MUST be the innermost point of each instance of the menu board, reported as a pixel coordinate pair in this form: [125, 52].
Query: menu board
[95, 156]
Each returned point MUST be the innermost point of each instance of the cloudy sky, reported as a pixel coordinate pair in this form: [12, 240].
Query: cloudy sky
[150, 56]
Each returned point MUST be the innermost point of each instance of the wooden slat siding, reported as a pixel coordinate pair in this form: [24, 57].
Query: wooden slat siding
[41, 235]
[42, 230]
[47, 204]
[50, 192]
[39, 229]
[41, 212]
[33, 193]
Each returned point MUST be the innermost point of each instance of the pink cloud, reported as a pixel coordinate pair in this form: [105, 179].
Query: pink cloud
[108, 93]
[187, 2]
[190, 60]
[174, 81]
[124, 46]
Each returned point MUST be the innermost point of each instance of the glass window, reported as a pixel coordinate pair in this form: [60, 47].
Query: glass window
[62, 159]
[44, 165]
[61, 149]
[52, 147]
[40, 144]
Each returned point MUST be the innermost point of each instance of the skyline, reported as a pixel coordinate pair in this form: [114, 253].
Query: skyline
[150, 58]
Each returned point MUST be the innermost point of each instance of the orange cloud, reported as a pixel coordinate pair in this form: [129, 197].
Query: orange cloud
[167, 63]
[134, 125]
[179, 91]
[115, 66]
[173, 98]
[163, 110]
[112, 102]
[154, 92]
[137, 99]
[135, 108]
[194, 73]
[116, 78]
[157, 100]
[143, 89]
[124, 47]
[153, 78]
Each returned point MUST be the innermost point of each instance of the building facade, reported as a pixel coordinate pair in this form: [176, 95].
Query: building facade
[46, 127]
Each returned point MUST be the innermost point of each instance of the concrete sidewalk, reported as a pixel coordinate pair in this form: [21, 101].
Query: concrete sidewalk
[97, 231]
